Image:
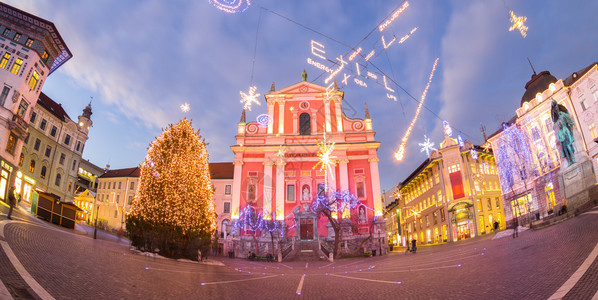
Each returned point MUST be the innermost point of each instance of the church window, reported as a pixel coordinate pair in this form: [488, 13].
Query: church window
[304, 124]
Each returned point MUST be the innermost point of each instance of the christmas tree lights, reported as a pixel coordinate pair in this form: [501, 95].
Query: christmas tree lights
[175, 188]
[400, 153]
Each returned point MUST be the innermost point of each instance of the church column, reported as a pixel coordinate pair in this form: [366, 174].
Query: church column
[375, 185]
[343, 174]
[332, 179]
[280, 190]
[339, 119]
[281, 115]
[271, 116]
[327, 114]
[268, 186]
[237, 178]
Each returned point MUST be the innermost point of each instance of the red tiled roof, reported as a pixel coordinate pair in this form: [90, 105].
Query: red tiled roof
[129, 172]
[51, 106]
[222, 170]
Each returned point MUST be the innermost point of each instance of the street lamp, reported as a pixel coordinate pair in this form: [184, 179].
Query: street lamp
[380, 242]
[95, 224]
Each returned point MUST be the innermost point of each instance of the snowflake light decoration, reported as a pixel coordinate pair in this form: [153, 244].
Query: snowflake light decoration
[185, 107]
[326, 161]
[249, 98]
[426, 146]
[280, 153]
[518, 23]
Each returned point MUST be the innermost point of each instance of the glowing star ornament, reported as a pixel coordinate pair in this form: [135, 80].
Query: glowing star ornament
[400, 153]
[231, 6]
[280, 153]
[426, 146]
[518, 23]
[185, 107]
[326, 161]
[249, 98]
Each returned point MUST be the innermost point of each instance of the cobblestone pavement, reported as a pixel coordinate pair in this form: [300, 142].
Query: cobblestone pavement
[67, 265]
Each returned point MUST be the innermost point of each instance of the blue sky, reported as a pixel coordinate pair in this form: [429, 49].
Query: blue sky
[140, 60]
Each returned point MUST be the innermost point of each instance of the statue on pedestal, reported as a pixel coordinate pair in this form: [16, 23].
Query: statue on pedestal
[565, 124]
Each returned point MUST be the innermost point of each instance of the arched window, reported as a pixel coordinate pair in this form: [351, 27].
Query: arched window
[304, 124]
[32, 166]
[42, 174]
[21, 158]
[57, 182]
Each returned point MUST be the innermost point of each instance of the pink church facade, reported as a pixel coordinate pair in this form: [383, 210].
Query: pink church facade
[275, 160]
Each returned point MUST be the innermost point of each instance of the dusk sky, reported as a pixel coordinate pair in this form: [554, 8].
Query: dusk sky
[140, 60]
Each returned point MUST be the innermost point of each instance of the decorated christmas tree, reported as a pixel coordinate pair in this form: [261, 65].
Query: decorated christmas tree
[173, 209]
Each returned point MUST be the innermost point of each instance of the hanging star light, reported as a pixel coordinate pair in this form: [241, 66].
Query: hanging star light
[427, 145]
[326, 161]
[185, 107]
[400, 154]
[518, 23]
[280, 153]
[249, 98]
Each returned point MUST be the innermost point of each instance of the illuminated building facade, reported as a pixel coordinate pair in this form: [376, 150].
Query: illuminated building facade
[453, 195]
[275, 161]
[30, 49]
[116, 189]
[542, 193]
[52, 151]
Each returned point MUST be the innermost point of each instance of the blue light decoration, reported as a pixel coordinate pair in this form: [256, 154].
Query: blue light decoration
[447, 128]
[252, 219]
[460, 141]
[513, 157]
[474, 153]
[337, 201]
[263, 120]
[231, 6]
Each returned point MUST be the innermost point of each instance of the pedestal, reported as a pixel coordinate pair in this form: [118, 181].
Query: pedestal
[575, 182]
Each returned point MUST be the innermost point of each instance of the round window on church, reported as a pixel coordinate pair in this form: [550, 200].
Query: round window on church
[304, 105]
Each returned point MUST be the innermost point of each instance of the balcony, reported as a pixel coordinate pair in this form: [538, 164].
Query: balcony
[19, 125]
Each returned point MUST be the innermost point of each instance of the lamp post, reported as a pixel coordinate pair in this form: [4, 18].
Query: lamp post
[95, 224]
[380, 242]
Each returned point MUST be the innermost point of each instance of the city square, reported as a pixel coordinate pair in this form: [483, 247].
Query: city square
[227, 148]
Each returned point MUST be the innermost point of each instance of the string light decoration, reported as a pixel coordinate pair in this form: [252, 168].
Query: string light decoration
[474, 153]
[518, 23]
[264, 120]
[252, 219]
[400, 153]
[460, 141]
[513, 157]
[231, 6]
[181, 197]
[426, 146]
[326, 161]
[249, 98]
[280, 153]
[447, 128]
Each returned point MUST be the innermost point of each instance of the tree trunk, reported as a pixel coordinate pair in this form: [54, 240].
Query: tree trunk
[338, 233]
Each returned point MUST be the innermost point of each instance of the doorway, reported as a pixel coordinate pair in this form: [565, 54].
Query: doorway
[307, 229]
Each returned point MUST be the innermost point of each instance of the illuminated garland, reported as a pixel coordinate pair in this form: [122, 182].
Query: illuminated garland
[400, 154]
[337, 201]
[231, 6]
[250, 219]
[394, 15]
[513, 157]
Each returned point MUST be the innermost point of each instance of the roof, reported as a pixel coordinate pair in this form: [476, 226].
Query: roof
[128, 172]
[538, 84]
[27, 20]
[576, 75]
[53, 107]
[222, 170]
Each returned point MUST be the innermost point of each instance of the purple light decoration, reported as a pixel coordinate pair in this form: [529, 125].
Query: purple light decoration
[513, 157]
[460, 140]
[231, 6]
[264, 120]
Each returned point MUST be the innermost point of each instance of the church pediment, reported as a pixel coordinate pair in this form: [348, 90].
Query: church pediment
[302, 87]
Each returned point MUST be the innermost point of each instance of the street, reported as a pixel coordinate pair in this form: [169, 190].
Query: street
[42, 261]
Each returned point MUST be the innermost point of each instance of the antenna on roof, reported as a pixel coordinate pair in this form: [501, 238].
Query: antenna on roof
[530, 64]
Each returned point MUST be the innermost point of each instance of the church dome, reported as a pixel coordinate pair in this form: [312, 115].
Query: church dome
[538, 84]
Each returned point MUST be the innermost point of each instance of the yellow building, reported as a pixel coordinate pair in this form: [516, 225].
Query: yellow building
[453, 195]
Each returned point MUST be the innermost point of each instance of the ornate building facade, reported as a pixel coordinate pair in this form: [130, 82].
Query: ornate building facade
[453, 195]
[31, 48]
[276, 166]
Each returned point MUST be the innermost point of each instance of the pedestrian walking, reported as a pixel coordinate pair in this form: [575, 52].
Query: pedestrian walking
[12, 201]
[413, 245]
[515, 227]
[495, 225]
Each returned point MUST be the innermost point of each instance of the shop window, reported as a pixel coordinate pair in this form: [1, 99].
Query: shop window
[4, 61]
[12, 143]
[53, 131]
[42, 174]
[304, 124]
[290, 192]
[226, 207]
[4, 95]
[57, 181]
[16, 66]
[32, 166]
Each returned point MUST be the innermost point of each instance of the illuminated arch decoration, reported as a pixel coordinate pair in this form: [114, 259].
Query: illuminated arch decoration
[231, 6]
